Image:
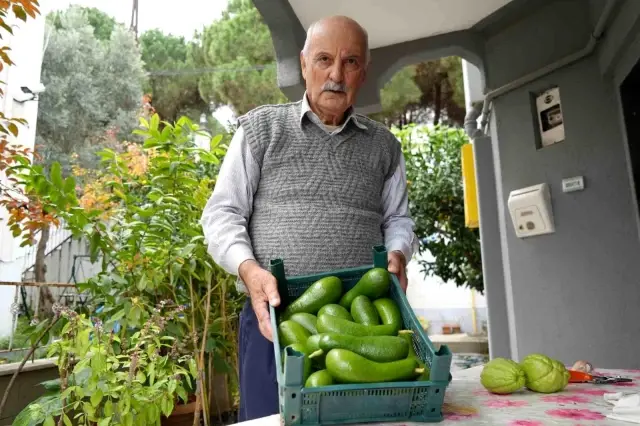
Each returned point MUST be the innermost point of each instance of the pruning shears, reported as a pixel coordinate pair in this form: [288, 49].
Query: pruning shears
[582, 377]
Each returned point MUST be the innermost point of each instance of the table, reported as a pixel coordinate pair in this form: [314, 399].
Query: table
[467, 402]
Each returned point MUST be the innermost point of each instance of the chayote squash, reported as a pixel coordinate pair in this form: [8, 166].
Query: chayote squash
[502, 376]
[544, 374]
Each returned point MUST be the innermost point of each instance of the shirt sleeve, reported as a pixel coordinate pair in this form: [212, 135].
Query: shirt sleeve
[226, 215]
[398, 226]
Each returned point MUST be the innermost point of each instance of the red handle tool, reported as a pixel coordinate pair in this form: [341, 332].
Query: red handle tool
[582, 377]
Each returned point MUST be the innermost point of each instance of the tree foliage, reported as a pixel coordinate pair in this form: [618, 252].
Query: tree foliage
[436, 202]
[94, 89]
[396, 95]
[440, 94]
[240, 42]
[103, 24]
[172, 83]
[440, 82]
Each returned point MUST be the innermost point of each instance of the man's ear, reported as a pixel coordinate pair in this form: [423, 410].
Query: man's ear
[303, 66]
[366, 71]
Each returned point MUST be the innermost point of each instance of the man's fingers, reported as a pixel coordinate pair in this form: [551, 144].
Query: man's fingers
[261, 310]
[393, 267]
[265, 329]
[271, 291]
[404, 282]
[396, 266]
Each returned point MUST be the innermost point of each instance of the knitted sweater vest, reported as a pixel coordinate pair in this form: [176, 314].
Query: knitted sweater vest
[318, 205]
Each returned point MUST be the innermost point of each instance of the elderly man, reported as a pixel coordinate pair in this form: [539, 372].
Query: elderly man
[309, 182]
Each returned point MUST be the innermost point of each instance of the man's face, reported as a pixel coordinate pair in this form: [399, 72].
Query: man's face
[334, 67]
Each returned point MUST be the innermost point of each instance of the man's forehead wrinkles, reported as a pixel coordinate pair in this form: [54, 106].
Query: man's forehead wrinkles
[342, 52]
[332, 49]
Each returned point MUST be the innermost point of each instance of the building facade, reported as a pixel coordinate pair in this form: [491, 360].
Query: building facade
[559, 105]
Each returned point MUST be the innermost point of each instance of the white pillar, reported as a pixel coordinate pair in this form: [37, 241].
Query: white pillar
[472, 80]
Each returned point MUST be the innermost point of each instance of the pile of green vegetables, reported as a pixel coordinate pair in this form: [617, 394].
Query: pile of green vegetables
[350, 337]
[536, 372]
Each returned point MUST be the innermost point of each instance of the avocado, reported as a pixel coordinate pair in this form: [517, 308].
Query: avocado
[322, 292]
[328, 323]
[363, 311]
[348, 367]
[374, 348]
[373, 284]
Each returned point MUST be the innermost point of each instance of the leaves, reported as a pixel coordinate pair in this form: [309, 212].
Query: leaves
[96, 398]
[241, 42]
[400, 91]
[174, 91]
[94, 88]
[436, 202]
[140, 354]
[19, 12]
[56, 175]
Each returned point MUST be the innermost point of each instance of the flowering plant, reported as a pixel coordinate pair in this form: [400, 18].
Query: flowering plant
[159, 307]
[109, 380]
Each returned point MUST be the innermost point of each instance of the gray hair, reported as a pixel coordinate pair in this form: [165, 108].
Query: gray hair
[365, 36]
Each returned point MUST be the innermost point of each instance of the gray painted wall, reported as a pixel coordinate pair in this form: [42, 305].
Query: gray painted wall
[574, 293]
[492, 259]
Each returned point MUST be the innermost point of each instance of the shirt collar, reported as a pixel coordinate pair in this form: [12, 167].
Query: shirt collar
[351, 115]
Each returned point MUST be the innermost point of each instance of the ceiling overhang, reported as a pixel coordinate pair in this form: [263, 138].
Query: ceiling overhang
[393, 22]
[401, 33]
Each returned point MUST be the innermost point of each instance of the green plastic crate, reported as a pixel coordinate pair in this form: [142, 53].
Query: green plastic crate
[357, 403]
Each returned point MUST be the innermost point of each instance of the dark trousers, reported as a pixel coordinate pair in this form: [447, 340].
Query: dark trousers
[258, 384]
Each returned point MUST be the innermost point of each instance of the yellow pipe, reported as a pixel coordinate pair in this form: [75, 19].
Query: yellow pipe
[474, 318]
[469, 185]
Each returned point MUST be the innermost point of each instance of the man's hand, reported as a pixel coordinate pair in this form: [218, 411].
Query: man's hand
[397, 265]
[263, 290]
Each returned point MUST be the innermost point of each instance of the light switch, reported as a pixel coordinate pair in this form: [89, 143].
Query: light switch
[573, 184]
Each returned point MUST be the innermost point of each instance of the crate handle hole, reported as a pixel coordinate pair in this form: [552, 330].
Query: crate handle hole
[293, 417]
[433, 410]
[437, 390]
[293, 396]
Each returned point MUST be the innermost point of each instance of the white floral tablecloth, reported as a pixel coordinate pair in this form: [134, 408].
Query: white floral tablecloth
[467, 402]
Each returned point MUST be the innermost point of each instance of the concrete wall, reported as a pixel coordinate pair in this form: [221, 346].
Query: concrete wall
[573, 294]
[27, 387]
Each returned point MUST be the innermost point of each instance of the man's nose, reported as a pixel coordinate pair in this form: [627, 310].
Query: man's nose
[337, 72]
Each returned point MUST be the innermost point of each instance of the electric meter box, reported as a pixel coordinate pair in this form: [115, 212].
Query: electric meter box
[549, 117]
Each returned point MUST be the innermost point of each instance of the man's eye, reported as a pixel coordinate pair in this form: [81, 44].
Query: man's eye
[323, 59]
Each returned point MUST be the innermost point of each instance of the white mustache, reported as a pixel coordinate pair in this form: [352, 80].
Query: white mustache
[334, 87]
